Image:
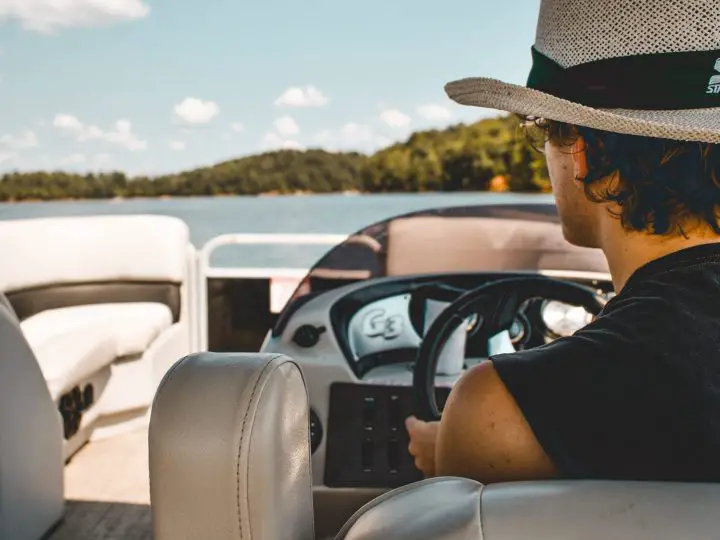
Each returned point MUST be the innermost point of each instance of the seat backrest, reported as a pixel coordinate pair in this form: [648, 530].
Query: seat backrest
[230, 450]
[31, 438]
[425, 244]
[94, 260]
[460, 509]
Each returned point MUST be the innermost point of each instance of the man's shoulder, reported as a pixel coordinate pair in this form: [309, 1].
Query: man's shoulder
[626, 325]
[655, 308]
[655, 318]
[695, 283]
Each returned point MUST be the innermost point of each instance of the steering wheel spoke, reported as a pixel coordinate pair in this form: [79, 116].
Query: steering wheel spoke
[497, 304]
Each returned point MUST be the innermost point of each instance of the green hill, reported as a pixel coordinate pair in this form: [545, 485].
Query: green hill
[490, 154]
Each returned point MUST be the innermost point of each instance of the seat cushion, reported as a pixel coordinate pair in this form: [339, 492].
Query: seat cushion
[69, 358]
[73, 343]
[131, 326]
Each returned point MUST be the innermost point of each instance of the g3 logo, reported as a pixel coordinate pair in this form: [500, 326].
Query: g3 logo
[377, 324]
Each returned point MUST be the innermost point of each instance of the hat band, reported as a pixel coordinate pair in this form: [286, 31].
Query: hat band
[666, 81]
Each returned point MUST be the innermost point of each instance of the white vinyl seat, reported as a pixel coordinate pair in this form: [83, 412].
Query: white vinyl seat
[31, 451]
[229, 459]
[79, 347]
[130, 326]
[72, 358]
[230, 450]
[73, 344]
[106, 303]
[461, 509]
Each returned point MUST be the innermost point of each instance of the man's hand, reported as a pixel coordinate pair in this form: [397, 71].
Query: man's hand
[423, 440]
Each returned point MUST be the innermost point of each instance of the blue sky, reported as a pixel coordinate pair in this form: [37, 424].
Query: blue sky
[154, 86]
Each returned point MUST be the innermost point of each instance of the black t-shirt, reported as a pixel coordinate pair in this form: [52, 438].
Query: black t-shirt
[636, 393]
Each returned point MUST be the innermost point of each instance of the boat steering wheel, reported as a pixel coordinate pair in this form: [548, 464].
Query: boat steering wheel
[497, 304]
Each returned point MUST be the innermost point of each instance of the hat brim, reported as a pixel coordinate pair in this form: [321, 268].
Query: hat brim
[701, 125]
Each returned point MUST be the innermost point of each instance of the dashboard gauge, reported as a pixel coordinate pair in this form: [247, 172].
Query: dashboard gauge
[473, 322]
[563, 319]
[519, 330]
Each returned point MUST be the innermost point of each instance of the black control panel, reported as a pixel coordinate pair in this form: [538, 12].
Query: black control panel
[366, 437]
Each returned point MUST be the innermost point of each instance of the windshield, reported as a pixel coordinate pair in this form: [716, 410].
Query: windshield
[507, 237]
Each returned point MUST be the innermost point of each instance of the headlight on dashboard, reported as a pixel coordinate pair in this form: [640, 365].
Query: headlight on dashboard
[563, 319]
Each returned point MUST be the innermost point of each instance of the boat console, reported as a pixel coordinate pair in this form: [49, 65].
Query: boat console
[357, 346]
[356, 330]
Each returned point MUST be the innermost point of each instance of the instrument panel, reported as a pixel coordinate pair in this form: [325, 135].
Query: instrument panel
[386, 324]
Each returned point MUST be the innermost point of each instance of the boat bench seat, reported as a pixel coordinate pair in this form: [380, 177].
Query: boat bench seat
[73, 343]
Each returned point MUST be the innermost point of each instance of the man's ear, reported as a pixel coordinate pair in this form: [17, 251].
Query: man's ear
[579, 155]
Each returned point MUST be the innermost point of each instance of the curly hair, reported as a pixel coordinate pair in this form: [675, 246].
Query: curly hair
[662, 184]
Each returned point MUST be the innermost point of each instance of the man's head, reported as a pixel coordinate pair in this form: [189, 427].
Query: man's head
[643, 185]
[643, 74]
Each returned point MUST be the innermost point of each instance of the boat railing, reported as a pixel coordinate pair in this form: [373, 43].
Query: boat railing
[205, 270]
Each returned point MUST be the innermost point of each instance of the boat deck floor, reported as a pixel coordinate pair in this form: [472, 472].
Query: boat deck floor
[107, 489]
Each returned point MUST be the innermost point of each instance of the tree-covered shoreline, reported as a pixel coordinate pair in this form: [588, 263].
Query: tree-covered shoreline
[491, 155]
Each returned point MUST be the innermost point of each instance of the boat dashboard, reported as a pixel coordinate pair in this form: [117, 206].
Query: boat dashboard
[357, 346]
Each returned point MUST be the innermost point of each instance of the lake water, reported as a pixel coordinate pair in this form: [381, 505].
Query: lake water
[210, 217]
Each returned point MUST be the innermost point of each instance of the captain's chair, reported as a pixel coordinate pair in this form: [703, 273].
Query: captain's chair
[229, 450]
[230, 459]
[31, 457]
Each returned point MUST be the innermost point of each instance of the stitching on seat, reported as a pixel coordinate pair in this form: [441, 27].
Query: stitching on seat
[479, 511]
[270, 363]
[381, 499]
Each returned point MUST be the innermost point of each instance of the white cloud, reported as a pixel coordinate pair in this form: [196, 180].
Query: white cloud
[48, 15]
[67, 121]
[237, 127]
[351, 136]
[293, 145]
[26, 139]
[273, 141]
[101, 159]
[196, 111]
[176, 145]
[286, 125]
[121, 135]
[395, 118]
[298, 96]
[74, 159]
[434, 112]
[123, 126]
[382, 142]
[357, 132]
[124, 136]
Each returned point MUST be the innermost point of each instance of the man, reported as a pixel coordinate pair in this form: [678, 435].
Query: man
[629, 101]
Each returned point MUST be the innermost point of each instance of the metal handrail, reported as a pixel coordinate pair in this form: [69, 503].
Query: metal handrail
[203, 265]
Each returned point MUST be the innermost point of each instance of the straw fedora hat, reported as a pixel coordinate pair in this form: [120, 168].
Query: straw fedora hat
[641, 67]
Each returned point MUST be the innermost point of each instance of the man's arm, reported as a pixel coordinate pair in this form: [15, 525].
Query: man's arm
[483, 435]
